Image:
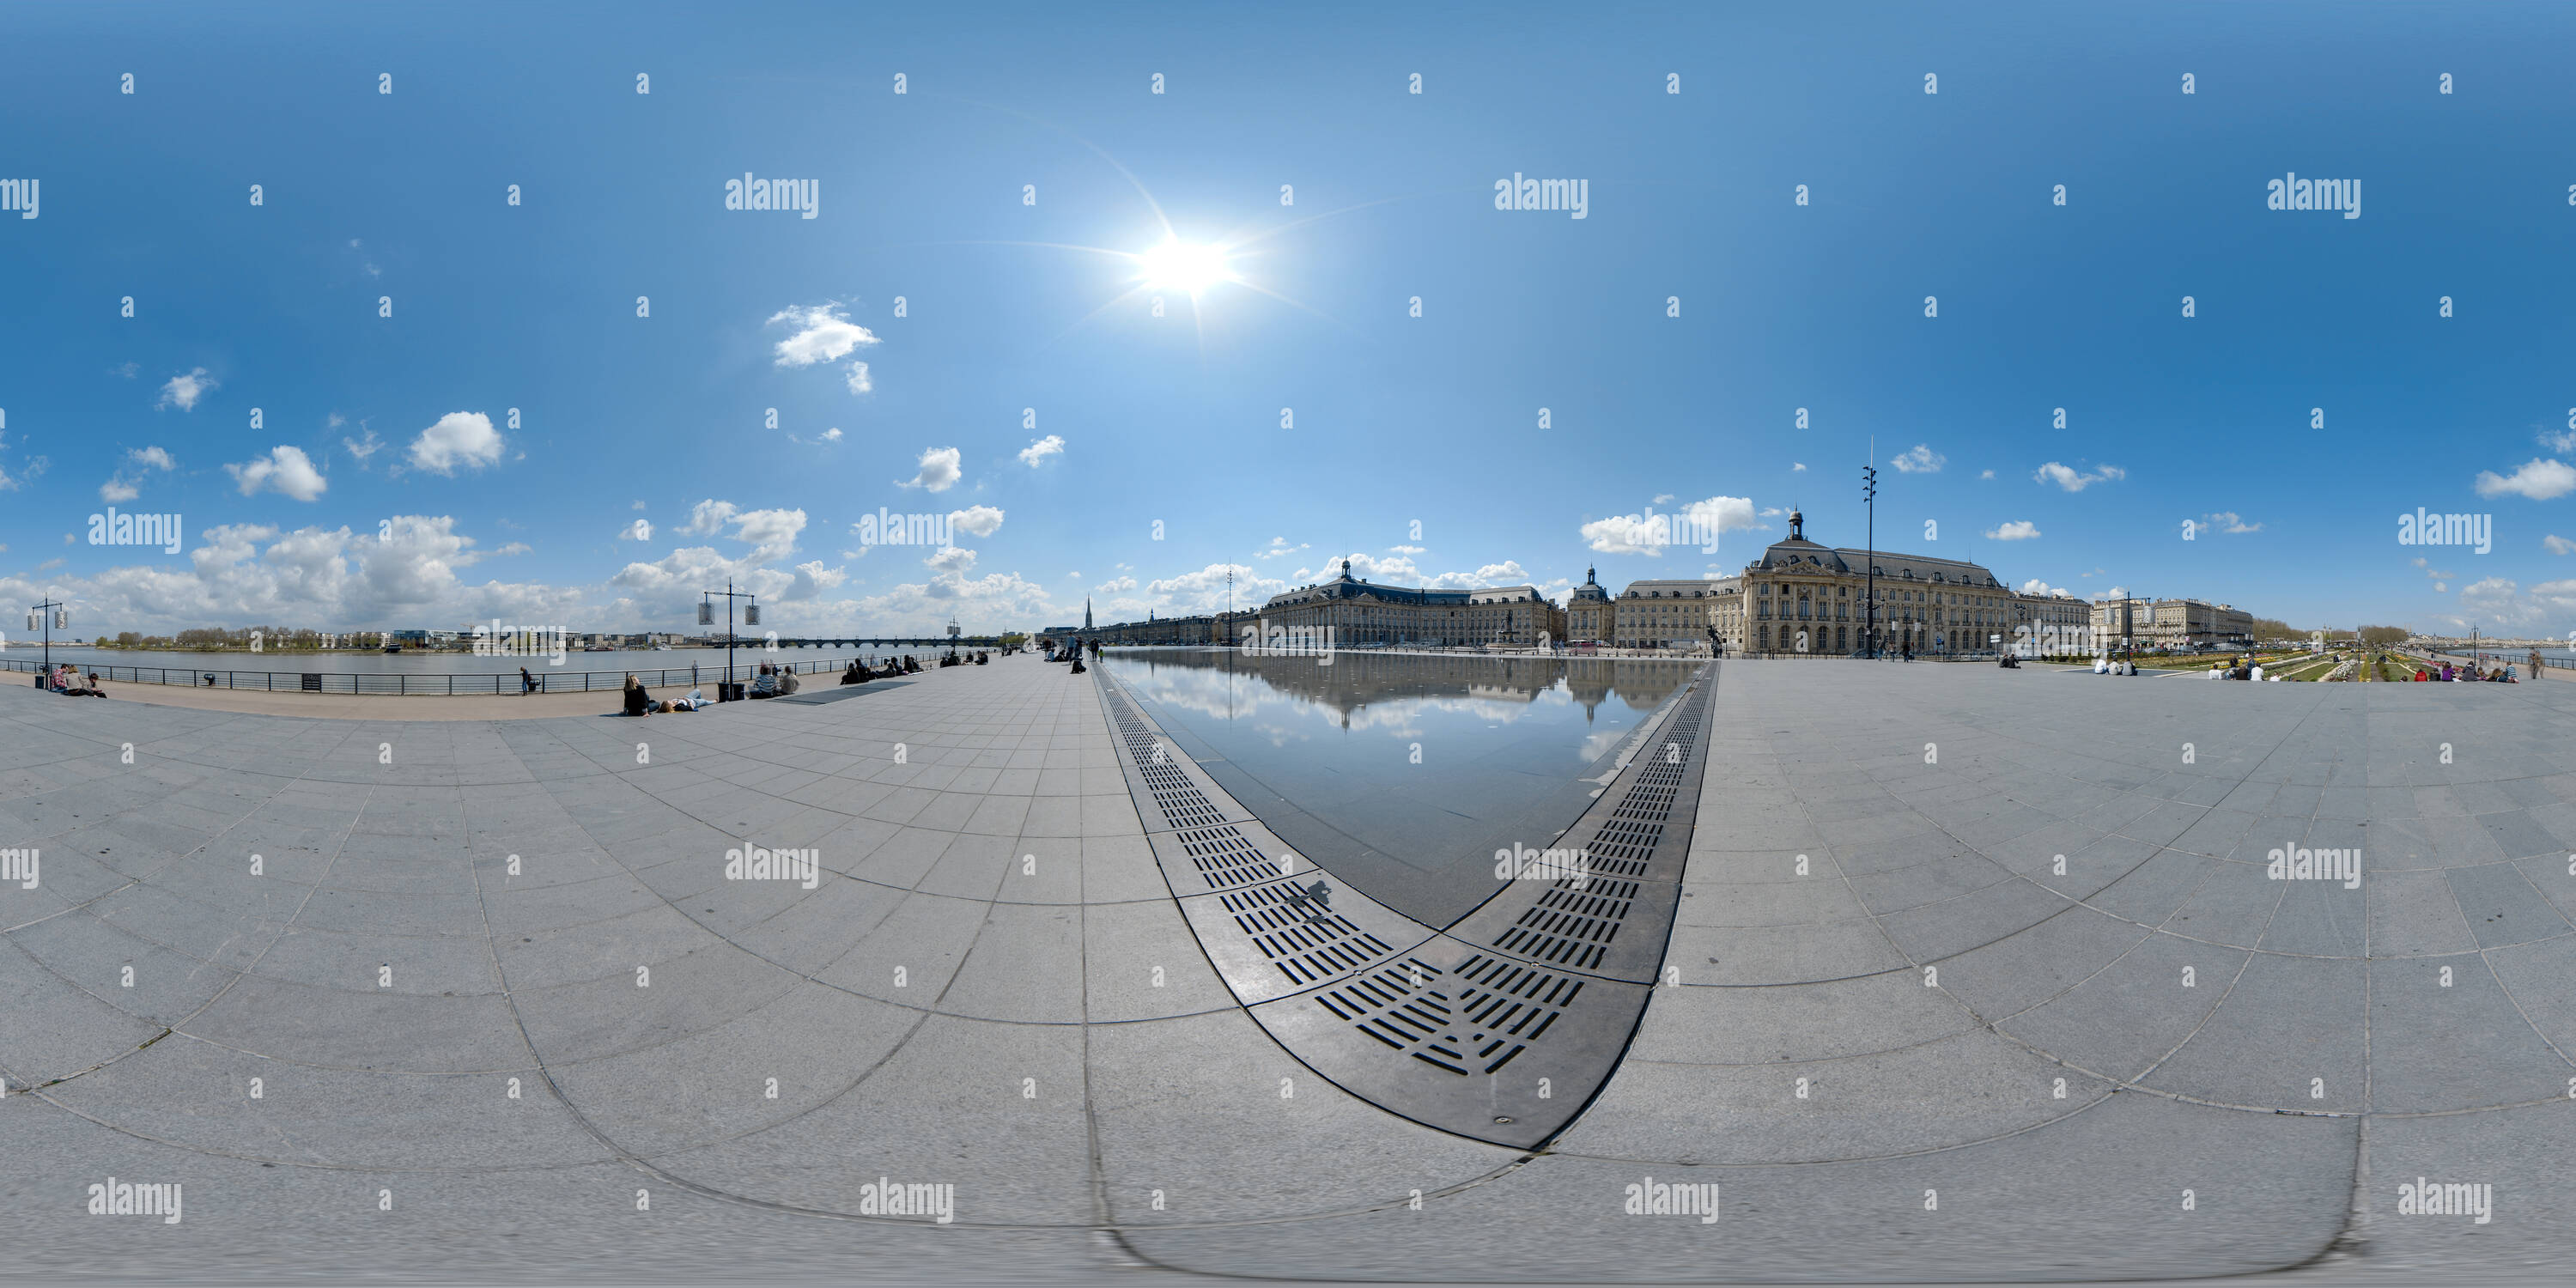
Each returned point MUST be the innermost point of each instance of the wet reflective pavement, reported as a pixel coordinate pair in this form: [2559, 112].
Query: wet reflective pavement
[1402, 774]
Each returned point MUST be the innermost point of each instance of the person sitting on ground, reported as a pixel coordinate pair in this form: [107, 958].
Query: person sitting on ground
[787, 681]
[765, 683]
[857, 674]
[638, 701]
[983, 659]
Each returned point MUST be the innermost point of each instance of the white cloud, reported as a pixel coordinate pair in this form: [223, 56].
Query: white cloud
[950, 559]
[2229, 522]
[2559, 440]
[514, 548]
[981, 520]
[820, 334]
[1922, 460]
[1205, 590]
[334, 421]
[640, 530]
[1040, 449]
[2035, 586]
[1507, 573]
[1648, 534]
[1986, 474]
[120, 488]
[459, 438]
[832, 435]
[183, 390]
[857, 379]
[812, 579]
[2558, 545]
[1116, 584]
[939, 470]
[1279, 546]
[1665, 499]
[2075, 480]
[1797, 467]
[2537, 479]
[637, 506]
[285, 470]
[708, 517]
[2017, 530]
[1393, 550]
[363, 449]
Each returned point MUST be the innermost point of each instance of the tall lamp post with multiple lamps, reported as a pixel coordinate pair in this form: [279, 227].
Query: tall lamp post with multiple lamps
[707, 617]
[1869, 497]
[51, 614]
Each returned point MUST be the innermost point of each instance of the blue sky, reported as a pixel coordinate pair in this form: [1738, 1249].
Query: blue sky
[372, 496]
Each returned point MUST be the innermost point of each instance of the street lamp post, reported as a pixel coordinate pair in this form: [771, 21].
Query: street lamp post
[50, 614]
[750, 617]
[1869, 496]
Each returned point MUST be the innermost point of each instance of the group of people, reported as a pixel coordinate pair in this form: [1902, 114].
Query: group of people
[773, 681]
[1073, 653]
[859, 672]
[2467, 673]
[640, 701]
[67, 680]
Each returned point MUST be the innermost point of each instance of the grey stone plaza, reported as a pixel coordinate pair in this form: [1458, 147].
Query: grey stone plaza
[1971, 974]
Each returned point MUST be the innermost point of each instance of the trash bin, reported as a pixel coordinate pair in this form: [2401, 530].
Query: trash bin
[728, 692]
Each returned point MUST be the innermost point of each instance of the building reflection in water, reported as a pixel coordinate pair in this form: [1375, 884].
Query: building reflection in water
[1357, 683]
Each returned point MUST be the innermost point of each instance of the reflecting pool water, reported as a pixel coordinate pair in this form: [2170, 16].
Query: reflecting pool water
[1402, 774]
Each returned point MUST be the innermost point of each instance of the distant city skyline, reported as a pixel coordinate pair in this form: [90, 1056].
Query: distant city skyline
[394, 327]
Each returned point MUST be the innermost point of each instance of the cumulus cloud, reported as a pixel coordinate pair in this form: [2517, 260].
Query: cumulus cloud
[939, 470]
[2558, 545]
[858, 380]
[1204, 590]
[459, 438]
[981, 520]
[1279, 546]
[183, 390]
[950, 559]
[817, 334]
[2035, 586]
[708, 517]
[2229, 522]
[2074, 480]
[1507, 573]
[1117, 584]
[1040, 449]
[812, 579]
[1698, 523]
[640, 530]
[125, 485]
[1922, 460]
[2017, 530]
[285, 470]
[2537, 479]
[1797, 467]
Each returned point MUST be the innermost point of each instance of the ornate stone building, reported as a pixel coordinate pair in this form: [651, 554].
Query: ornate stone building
[1361, 613]
[1802, 597]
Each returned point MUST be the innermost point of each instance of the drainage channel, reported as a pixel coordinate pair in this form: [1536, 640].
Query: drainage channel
[1502, 1026]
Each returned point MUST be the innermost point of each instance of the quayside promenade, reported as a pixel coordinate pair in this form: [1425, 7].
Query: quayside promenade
[989, 986]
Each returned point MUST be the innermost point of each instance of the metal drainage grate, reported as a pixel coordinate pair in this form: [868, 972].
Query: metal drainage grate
[1574, 928]
[1502, 1006]
[1569, 927]
[1305, 939]
[1225, 857]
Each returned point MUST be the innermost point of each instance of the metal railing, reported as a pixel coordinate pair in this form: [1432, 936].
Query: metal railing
[439, 685]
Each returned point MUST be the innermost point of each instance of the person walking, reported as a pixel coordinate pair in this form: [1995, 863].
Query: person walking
[527, 682]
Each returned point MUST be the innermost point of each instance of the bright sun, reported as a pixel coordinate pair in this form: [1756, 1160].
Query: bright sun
[1174, 266]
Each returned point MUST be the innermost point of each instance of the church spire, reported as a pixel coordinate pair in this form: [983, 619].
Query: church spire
[1086, 612]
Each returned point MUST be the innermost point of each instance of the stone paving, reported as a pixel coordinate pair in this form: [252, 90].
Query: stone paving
[989, 987]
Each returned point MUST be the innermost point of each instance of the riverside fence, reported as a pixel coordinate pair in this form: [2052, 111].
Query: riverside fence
[404, 685]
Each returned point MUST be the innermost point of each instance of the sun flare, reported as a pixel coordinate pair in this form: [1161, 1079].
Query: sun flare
[1177, 266]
